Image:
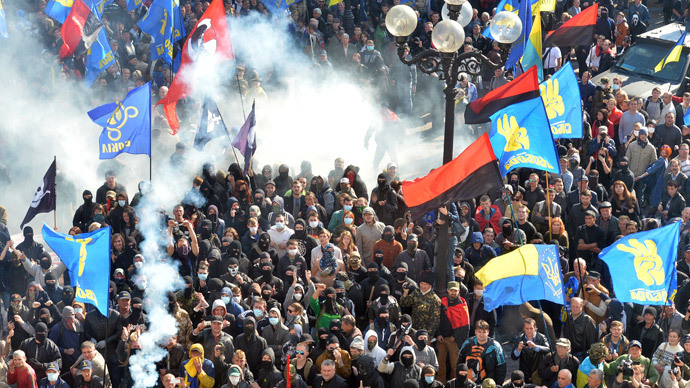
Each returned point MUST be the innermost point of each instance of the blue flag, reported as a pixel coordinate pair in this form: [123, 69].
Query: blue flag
[133, 5]
[99, 6]
[515, 146]
[178, 22]
[59, 9]
[561, 95]
[87, 257]
[3, 23]
[531, 272]
[158, 23]
[211, 125]
[126, 124]
[279, 6]
[98, 58]
[518, 49]
[644, 262]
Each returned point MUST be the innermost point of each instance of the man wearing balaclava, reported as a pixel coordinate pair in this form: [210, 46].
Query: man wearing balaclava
[461, 380]
[388, 246]
[417, 260]
[402, 370]
[82, 217]
[283, 181]
[45, 265]
[40, 350]
[252, 344]
[368, 374]
[29, 247]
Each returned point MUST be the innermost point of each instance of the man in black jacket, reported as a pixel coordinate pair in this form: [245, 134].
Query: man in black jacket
[41, 351]
[579, 328]
[95, 326]
[648, 333]
[328, 378]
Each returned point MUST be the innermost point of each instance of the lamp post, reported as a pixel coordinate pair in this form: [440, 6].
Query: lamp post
[448, 37]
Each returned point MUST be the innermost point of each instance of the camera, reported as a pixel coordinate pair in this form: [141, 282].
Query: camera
[524, 342]
[676, 360]
[626, 368]
[406, 286]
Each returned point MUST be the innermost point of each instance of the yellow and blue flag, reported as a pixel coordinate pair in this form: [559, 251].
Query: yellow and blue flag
[517, 146]
[531, 272]
[518, 48]
[561, 96]
[132, 5]
[645, 265]
[3, 23]
[280, 6]
[87, 257]
[532, 55]
[158, 23]
[126, 124]
[59, 9]
[673, 55]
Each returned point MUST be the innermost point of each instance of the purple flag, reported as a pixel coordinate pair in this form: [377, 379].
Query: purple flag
[245, 141]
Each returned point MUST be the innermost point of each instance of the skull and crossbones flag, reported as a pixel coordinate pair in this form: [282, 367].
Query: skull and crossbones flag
[44, 197]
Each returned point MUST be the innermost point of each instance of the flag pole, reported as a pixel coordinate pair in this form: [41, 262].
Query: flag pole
[239, 90]
[221, 117]
[55, 191]
[549, 203]
[150, 138]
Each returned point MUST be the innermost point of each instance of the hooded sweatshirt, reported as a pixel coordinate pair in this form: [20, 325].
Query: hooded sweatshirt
[193, 379]
[269, 376]
[277, 335]
[398, 371]
[377, 353]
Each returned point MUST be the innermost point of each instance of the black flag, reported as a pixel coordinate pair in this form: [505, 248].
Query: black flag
[211, 125]
[44, 197]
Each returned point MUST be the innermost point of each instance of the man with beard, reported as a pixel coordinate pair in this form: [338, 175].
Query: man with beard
[453, 329]
[41, 350]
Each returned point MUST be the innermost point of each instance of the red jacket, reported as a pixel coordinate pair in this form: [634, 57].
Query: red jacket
[24, 377]
[494, 220]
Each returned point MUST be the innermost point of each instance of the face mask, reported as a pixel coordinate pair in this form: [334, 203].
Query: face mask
[401, 275]
[371, 345]
[280, 225]
[40, 337]
[637, 133]
[461, 379]
[382, 320]
[347, 207]
[429, 379]
[348, 221]
[183, 250]
[258, 313]
[292, 252]
[372, 275]
[387, 237]
[313, 224]
[232, 271]
[78, 310]
[411, 246]
[249, 330]
[407, 361]
[203, 276]
[50, 286]
[383, 299]
[518, 385]
[234, 380]
[651, 130]
[237, 299]
[225, 299]
[298, 296]
[616, 87]
[421, 344]
[52, 376]
[479, 292]
[98, 217]
[266, 364]
[273, 321]
[276, 209]
[370, 48]
[253, 229]
[45, 264]
[121, 203]
[138, 264]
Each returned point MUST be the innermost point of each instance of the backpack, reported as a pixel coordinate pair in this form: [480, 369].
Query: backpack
[475, 363]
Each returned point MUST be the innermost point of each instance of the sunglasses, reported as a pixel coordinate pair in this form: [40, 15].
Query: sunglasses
[300, 352]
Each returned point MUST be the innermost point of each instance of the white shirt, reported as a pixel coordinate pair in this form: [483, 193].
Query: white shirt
[553, 54]
[280, 237]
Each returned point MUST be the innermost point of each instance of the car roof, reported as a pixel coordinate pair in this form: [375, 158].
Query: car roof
[669, 33]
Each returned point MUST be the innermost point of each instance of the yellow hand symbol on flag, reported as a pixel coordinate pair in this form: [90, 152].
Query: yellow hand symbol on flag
[648, 265]
[552, 99]
[516, 136]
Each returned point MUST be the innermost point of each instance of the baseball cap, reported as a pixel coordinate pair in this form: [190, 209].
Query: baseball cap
[345, 180]
[53, 366]
[453, 285]
[635, 343]
[124, 295]
[563, 342]
[86, 364]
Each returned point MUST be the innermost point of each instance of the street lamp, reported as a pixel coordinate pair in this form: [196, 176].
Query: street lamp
[448, 37]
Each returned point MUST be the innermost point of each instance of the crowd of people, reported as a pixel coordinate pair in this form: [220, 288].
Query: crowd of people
[339, 279]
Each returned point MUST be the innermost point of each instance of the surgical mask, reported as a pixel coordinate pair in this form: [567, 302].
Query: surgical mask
[370, 48]
[479, 292]
[429, 379]
[232, 271]
[292, 252]
[121, 203]
[348, 220]
[203, 276]
[651, 130]
[616, 87]
[225, 299]
[636, 133]
[52, 376]
[234, 380]
[347, 207]
[237, 299]
[258, 313]
[298, 296]
[313, 224]
[78, 310]
[138, 264]
[273, 320]
[280, 225]
[253, 229]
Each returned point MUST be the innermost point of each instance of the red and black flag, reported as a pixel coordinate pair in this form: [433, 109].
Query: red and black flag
[473, 173]
[81, 27]
[523, 88]
[575, 32]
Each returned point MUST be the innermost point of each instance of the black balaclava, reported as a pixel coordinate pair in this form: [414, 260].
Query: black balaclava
[206, 229]
[88, 201]
[378, 256]
[189, 286]
[235, 249]
[373, 275]
[28, 235]
[421, 344]
[388, 233]
[136, 311]
[460, 379]
[41, 332]
[46, 261]
[507, 229]
[264, 242]
[67, 295]
[172, 302]
[407, 358]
